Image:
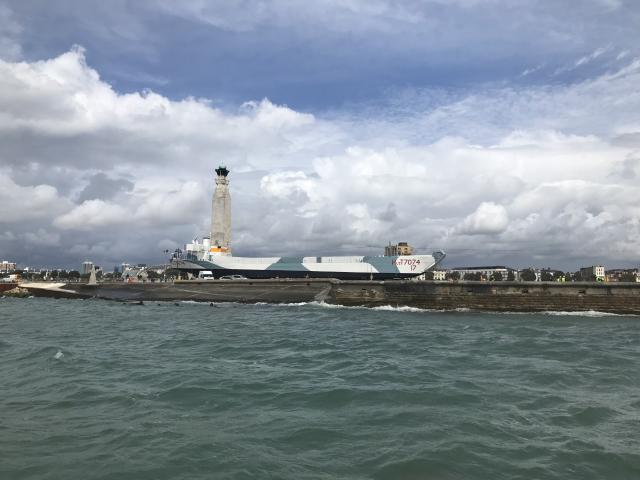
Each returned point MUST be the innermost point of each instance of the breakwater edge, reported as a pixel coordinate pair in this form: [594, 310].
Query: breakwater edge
[620, 298]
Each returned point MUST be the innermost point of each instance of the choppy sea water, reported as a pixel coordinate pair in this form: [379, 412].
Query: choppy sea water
[104, 390]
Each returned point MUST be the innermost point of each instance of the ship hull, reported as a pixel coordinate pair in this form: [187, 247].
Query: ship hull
[343, 268]
[269, 274]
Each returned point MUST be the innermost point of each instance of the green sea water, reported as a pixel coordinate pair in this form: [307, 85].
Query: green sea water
[104, 390]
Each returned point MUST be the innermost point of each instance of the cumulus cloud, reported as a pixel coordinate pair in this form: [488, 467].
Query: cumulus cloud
[34, 202]
[143, 208]
[544, 174]
[93, 214]
[65, 112]
[489, 218]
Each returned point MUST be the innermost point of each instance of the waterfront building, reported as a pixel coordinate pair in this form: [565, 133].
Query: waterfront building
[401, 248]
[595, 272]
[622, 275]
[86, 268]
[484, 272]
[6, 267]
[439, 275]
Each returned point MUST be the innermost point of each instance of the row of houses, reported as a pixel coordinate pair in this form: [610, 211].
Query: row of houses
[142, 272]
[501, 273]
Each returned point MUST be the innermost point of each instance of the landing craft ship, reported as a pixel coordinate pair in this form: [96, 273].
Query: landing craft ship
[213, 254]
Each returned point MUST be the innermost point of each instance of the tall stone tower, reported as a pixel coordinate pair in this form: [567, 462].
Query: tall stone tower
[221, 214]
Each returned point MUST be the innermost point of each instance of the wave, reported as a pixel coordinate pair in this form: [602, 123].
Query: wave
[389, 308]
[409, 309]
[379, 308]
[586, 313]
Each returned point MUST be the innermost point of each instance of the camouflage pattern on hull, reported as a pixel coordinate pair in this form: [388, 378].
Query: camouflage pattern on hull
[345, 268]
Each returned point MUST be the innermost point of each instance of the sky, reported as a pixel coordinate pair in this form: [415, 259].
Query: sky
[500, 131]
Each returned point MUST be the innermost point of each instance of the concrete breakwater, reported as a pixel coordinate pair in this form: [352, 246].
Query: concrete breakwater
[622, 298]
[244, 291]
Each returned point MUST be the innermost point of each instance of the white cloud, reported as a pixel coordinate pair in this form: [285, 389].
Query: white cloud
[622, 55]
[592, 56]
[584, 60]
[488, 219]
[22, 203]
[143, 208]
[63, 101]
[552, 163]
[529, 71]
[93, 214]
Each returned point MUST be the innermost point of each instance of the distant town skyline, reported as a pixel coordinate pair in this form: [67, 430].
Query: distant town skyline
[502, 132]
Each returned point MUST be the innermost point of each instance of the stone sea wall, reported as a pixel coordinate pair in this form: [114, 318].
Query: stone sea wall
[621, 298]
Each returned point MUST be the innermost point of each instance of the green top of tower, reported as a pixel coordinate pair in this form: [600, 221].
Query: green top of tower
[222, 171]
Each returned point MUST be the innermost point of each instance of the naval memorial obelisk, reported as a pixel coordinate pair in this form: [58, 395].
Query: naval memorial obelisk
[221, 214]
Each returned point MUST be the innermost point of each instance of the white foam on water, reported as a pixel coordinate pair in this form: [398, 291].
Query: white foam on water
[407, 309]
[585, 313]
[389, 308]
[381, 308]
[562, 313]
[292, 304]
